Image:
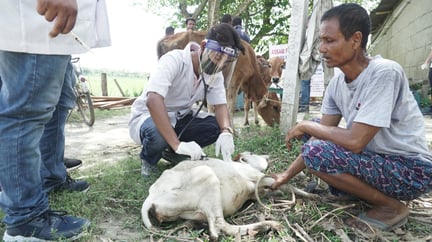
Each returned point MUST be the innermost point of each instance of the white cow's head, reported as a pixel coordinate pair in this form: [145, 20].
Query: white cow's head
[259, 162]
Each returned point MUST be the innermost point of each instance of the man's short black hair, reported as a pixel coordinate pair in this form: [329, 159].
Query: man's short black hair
[190, 19]
[169, 30]
[226, 35]
[226, 18]
[236, 21]
[352, 18]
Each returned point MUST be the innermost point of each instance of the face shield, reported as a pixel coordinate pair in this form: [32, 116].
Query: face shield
[216, 58]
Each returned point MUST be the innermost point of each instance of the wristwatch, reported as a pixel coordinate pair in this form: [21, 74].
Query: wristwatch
[229, 129]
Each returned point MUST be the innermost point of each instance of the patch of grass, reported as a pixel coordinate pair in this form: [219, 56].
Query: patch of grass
[131, 86]
[117, 192]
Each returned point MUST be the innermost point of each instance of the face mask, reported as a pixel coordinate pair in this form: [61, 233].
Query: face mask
[216, 58]
[209, 67]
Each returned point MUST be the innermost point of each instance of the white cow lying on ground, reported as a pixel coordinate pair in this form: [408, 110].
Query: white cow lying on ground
[207, 191]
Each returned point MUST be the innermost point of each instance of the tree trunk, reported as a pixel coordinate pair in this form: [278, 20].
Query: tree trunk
[213, 13]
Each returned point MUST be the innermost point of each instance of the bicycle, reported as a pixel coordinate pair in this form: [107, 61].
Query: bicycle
[84, 103]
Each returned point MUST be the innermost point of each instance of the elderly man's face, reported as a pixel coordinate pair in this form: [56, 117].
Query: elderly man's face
[336, 51]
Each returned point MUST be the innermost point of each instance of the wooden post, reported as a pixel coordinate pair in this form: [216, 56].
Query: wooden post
[119, 87]
[104, 84]
[291, 84]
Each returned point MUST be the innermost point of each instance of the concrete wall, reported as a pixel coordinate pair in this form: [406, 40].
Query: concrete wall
[406, 37]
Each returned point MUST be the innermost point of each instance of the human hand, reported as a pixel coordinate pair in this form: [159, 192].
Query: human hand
[293, 133]
[64, 13]
[225, 144]
[280, 179]
[423, 66]
[191, 149]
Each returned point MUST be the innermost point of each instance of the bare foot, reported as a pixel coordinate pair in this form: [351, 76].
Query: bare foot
[383, 218]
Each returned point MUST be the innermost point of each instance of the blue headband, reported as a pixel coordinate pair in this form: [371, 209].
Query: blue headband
[214, 45]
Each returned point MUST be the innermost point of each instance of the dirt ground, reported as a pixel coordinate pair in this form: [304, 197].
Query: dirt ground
[107, 141]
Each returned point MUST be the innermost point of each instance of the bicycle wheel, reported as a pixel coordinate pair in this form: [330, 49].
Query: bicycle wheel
[85, 107]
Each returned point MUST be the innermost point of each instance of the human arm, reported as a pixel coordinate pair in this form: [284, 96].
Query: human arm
[353, 139]
[63, 12]
[222, 116]
[159, 114]
[298, 165]
[225, 142]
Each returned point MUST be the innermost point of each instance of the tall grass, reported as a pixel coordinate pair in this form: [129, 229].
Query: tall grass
[131, 86]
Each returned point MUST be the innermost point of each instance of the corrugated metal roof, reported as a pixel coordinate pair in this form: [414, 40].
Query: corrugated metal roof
[380, 13]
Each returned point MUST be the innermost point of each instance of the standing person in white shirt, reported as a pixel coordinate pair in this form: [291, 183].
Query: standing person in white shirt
[426, 64]
[162, 117]
[35, 94]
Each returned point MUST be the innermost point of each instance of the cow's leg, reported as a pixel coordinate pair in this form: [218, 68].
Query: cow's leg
[249, 229]
[232, 92]
[255, 111]
[246, 110]
[210, 199]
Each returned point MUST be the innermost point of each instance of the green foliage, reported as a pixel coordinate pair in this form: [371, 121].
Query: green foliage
[266, 21]
[131, 85]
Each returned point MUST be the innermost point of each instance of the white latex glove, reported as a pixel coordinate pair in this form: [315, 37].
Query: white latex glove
[225, 144]
[423, 66]
[191, 149]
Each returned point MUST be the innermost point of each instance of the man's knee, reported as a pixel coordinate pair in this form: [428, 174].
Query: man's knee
[314, 152]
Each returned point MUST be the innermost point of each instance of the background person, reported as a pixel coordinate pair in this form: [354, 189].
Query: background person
[164, 111]
[382, 155]
[237, 23]
[72, 162]
[428, 63]
[28, 105]
[169, 31]
[304, 96]
[52, 143]
[190, 24]
[226, 18]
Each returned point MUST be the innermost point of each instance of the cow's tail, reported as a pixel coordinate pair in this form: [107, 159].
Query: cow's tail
[146, 212]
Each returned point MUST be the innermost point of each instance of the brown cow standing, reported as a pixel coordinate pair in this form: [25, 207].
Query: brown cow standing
[277, 65]
[246, 76]
[179, 41]
[270, 106]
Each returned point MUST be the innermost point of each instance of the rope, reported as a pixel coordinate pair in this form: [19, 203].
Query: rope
[284, 204]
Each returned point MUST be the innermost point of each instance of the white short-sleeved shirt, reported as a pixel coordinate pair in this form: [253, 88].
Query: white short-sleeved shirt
[431, 61]
[174, 79]
[380, 96]
[24, 30]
